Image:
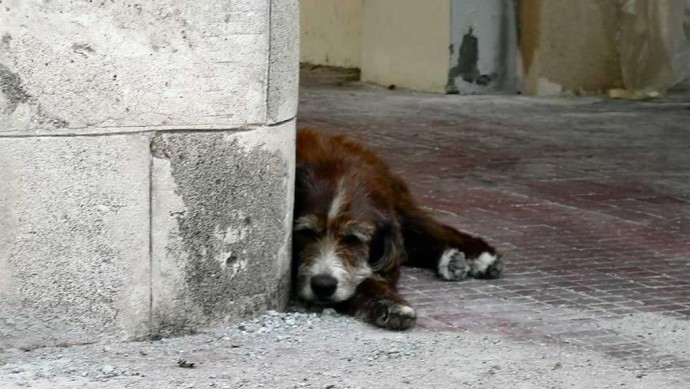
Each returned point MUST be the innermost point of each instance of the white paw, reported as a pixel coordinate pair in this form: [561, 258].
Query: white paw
[486, 265]
[396, 316]
[452, 266]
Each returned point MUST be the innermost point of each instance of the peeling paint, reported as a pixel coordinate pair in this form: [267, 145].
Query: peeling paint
[484, 35]
[466, 68]
[468, 57]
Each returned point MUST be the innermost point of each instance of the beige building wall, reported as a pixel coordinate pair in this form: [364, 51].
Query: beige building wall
[568, 46]
[406, 43]
[331, 32]
[565, 46]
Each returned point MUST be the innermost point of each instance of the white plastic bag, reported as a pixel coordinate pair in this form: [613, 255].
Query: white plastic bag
[653, 40]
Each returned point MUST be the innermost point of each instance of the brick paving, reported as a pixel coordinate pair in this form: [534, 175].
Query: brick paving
[588, 199]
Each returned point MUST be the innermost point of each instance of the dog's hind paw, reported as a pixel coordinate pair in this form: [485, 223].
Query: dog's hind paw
[486, 265]
[452, 266]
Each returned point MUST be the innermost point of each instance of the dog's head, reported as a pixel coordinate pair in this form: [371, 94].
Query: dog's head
[341, 235]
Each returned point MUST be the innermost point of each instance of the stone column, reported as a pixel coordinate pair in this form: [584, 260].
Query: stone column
[146, 165]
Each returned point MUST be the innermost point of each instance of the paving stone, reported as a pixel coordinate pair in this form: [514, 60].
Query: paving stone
[591, 214]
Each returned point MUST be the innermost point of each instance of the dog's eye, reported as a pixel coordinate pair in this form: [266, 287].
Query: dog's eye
[352, 239]
[377, 247]
[305, 233]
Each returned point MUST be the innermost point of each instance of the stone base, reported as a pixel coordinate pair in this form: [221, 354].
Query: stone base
[133, 235]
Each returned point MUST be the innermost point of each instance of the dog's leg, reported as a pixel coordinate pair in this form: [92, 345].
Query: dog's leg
[453, 254]
[377, 301]
[429, 244]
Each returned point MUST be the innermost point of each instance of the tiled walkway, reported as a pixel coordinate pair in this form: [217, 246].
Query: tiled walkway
[588, 199]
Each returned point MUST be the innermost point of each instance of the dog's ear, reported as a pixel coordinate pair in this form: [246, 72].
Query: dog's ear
[386, 249]
[301, 171]
[303, 177]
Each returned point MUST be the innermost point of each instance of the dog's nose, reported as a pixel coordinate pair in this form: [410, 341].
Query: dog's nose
[324, 286]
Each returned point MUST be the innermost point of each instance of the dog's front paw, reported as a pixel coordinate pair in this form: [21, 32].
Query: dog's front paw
[452, 266]
[394, 315]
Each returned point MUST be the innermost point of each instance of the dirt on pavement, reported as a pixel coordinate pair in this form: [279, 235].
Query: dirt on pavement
[326, 350]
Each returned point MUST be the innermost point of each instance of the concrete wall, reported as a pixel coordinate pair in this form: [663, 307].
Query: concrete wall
[568, 46]
[405, 42]
[414, 44]
[331, 32]
[146, 164]
[564, 46]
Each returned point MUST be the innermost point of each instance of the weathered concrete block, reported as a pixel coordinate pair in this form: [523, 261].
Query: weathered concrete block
[284, 60]
[146, 166]
[221, 216]
[74, 246]
[117, 66]
[128, 236]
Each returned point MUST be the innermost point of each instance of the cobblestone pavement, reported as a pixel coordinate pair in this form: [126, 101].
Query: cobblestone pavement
[589, 200]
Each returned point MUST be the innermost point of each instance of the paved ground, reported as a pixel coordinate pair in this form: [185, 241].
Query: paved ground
[326, 352]
[588, 199]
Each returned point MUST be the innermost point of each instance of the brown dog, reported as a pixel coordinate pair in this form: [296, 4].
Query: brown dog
[356, 223]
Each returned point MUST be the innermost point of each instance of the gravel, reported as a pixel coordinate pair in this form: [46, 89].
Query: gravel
[664, 333]
[325, 350]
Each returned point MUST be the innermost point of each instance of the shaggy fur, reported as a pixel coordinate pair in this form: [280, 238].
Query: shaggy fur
[355, 223]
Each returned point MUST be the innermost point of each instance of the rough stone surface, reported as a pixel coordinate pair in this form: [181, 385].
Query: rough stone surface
[73, 239]
[284, 60]
[100, 66]
[146, 157]
[140, 235]
[220, 251]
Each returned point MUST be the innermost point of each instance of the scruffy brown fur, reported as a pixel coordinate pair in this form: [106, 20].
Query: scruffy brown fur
[356, 222]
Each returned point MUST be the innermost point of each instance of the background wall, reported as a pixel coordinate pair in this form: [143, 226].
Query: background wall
[331, 32]
[539, 47]
[568, 46]
[406, 42]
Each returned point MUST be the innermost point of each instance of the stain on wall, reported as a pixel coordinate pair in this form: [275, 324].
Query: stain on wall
[529, 19]
[466, 67]
[225, 230]
[12, 89]
[15, 94]
[485, 33]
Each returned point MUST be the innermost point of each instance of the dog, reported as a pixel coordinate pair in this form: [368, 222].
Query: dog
[356, 223]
